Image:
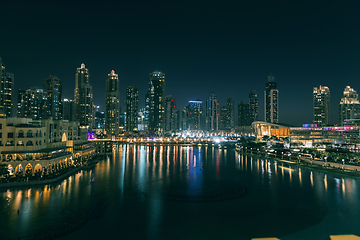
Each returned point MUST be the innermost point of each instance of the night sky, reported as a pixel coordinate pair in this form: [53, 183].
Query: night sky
[228, 47]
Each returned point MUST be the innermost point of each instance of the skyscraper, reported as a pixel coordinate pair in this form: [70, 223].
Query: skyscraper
[243, 114]
[321, 106]
[68, 109]
[212, 113]
[132, 100]
[21, 94]
[156, 103]
[112, 104]
[253, 106]
[171, 117]
[223, 118]
[52, 85]
[271, 101]
[194, 115]
[349, 107]
[230, 116]
[6, 91]
[35, 104]
[83, 97]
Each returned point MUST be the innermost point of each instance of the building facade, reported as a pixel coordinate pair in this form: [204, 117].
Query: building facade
[83, 97]
[212, 113]
[34, 104]
[52, 86]
[321, 106]
[271, 101]
[132, 101]
[6, 91]
[156, 98]
[112, 104]
[349, 106]
[253, 106]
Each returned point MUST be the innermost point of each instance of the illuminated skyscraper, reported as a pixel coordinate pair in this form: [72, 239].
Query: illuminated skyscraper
[271, 101]
[83, 97]
[212, 113]
[194, 115]
[171, 114]
[68, 109]
[156, 94]
[223, 118]
[132, 100]
[35, 104]
[230, 115]
[349, 107]
[112, 104]
[6, 91]
[253, 106]
[321, 104]
[52, 86]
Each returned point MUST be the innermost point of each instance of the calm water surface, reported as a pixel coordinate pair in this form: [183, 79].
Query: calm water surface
[178, 192]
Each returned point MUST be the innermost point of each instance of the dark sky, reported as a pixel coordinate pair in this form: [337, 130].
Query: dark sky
[228, 47]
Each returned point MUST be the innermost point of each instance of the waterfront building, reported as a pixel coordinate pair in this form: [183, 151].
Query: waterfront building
[99, 119]
[194, 115]
[52, 86]
[212, 113]
[223, 121]
[271, 101]
[132, 101]
[230, 115]
[262, 129]
[112, 104]
[83, 97]
[171, 115]
[321, 106]
[184, 113]
[253, 106]
[68, 109]
[243, 114]
[156, 98]
[35, 104]
[142, 123]
[42, 146]
[6, 91]
[349, 107]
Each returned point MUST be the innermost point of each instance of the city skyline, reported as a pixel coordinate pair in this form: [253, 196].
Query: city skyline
[229, 48]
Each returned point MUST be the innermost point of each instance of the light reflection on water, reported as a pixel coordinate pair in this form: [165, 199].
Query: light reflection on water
[287, 201]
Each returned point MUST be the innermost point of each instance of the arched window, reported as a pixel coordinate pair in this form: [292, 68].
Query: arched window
[29, 143]
[21, 134]
[29, 134]
[37, 133]
[20, 143]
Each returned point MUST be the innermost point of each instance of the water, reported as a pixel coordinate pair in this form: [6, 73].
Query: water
[180, 192]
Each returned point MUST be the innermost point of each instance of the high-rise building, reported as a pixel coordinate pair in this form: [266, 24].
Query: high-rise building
[321, 106]
[19, 110]
[6, 92]
[132, 100]
[112, 104]
[184, 114]
[253, 106]
[243, 114]
[230, 116]
[212, 113]
[35, 104]
[52, 85]
[349, 107]
[68, 109]
[156, 103]
[271, 101]
[142, 124]
[224, 118]
[194, 115]
[171, 117]
[83, 97]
